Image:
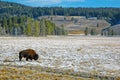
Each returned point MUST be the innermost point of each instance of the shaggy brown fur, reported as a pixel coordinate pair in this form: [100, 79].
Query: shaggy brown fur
[28, 54]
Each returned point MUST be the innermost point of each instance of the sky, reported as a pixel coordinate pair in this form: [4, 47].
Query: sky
[68, 3]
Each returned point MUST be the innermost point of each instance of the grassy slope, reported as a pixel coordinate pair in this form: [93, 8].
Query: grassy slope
[29, 73]
[14, 73]
[75, 23]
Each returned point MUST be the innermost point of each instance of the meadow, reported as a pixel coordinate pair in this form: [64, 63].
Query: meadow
[61, 58]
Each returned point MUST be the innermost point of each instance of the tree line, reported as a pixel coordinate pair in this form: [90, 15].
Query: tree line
[91, 31]
[22, 25]
[7, 9]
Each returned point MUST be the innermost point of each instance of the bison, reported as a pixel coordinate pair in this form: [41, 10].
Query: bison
[28, 54]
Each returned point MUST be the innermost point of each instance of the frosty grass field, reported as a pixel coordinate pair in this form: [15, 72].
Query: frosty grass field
[91, 55]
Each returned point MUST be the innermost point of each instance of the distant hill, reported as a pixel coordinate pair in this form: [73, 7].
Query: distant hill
[113, 30]
[77, 24]
[7, 9]
[74, 20]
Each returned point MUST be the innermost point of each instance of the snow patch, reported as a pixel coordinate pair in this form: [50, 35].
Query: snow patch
[77, 53]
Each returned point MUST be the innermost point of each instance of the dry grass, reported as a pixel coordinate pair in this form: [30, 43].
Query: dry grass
[92, 57]
[14, 73]
[34, 73]
[76, 32]
[118, 78]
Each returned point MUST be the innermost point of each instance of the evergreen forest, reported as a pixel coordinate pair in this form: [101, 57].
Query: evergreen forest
[17, 19]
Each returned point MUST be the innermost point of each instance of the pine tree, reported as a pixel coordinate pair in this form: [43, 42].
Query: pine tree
[16, 29]
[49, 27]
[10, 25]
[63, 30]
[93, 32]
[37, 28]
[86, 31]
[4, 25]
[0, 30]
[42, 28]
[29, 30]
[109, 32]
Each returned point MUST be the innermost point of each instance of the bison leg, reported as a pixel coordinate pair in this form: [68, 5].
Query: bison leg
[20, 57]
[27, 58]
[30, 58]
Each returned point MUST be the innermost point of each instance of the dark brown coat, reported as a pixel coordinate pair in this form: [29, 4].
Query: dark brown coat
[28, 54]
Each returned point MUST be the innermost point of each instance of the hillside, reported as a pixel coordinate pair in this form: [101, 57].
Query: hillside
[77, 24]
[74, 20]
[8, 9]
[11, 9]
[113, 30]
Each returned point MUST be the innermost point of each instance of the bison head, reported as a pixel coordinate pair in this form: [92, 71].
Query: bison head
[36, 57]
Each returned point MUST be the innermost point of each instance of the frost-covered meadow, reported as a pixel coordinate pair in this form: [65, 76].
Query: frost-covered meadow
[92, 55]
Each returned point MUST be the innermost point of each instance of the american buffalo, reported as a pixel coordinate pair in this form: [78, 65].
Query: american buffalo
[28, 54]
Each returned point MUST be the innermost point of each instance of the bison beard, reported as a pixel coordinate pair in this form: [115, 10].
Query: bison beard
[28, 54]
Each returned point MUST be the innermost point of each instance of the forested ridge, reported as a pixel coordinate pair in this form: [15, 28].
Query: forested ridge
[9, 10]
[28, 26]
[16, 19]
